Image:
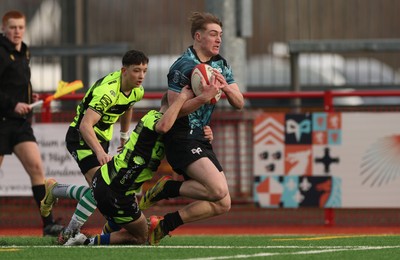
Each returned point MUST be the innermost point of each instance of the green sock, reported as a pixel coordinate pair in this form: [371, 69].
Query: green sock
[70, 191]
[77, 192]
[85, 208]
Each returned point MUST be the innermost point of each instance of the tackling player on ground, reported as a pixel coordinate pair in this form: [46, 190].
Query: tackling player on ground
[116, 183]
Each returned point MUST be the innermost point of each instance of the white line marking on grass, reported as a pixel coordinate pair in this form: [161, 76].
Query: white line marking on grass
[212, 247]
[315, 249]
[296, 253]
[183, 247]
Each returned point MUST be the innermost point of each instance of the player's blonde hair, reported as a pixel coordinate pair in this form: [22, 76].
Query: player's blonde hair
[200, 20]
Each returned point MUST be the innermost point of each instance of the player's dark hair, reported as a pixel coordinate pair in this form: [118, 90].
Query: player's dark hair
[13, 14]
[134, 57]
[200, 20]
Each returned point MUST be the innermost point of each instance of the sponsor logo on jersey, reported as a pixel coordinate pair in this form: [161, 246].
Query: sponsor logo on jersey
[112, 82]
[104, 102]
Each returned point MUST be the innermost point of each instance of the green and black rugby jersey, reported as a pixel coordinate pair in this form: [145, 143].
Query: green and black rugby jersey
[105, 97]
[140, 157]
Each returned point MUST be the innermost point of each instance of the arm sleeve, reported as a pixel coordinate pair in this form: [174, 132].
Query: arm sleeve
[228, 74]
[179, 75]
[101, 101]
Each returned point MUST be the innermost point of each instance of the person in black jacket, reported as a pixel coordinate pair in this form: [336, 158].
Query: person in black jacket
[16, 133]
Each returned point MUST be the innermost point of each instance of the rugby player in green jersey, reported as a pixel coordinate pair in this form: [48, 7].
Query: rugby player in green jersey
[107, 100]
[116, 183]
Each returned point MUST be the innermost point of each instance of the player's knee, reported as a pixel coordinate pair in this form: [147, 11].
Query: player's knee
[218, 193]
[223, 206]
[222, 209]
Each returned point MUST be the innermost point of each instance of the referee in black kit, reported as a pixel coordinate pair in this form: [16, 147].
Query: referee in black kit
[16, 134]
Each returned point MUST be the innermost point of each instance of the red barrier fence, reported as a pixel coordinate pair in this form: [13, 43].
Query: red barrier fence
[327, 97]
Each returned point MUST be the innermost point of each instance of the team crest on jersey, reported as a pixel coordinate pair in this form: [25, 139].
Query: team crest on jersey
[112, 92]
[177, 76]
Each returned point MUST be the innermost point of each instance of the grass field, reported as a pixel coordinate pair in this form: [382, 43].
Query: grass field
[215, 247]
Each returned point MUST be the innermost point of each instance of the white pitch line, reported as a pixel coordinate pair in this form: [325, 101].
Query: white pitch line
[296, 253]
[213, 247]
[320, 249]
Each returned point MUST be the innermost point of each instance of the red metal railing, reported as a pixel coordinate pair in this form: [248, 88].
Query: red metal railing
[327, 96]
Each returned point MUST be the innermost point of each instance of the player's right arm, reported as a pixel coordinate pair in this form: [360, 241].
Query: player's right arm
[125, 120]
[170, 115]
[86, 129]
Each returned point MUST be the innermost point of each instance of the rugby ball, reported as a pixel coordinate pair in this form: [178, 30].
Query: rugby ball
[203, 71]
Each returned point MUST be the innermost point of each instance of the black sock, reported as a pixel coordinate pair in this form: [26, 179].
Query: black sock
[38, 194]
[171, 188]
[171, 221]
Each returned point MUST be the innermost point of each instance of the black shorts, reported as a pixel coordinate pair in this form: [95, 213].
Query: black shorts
[117, 207]
[182, 152]
[81, 151]
[13, 132]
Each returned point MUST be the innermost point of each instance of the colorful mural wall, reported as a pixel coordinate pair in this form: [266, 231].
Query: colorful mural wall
[329, 160]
